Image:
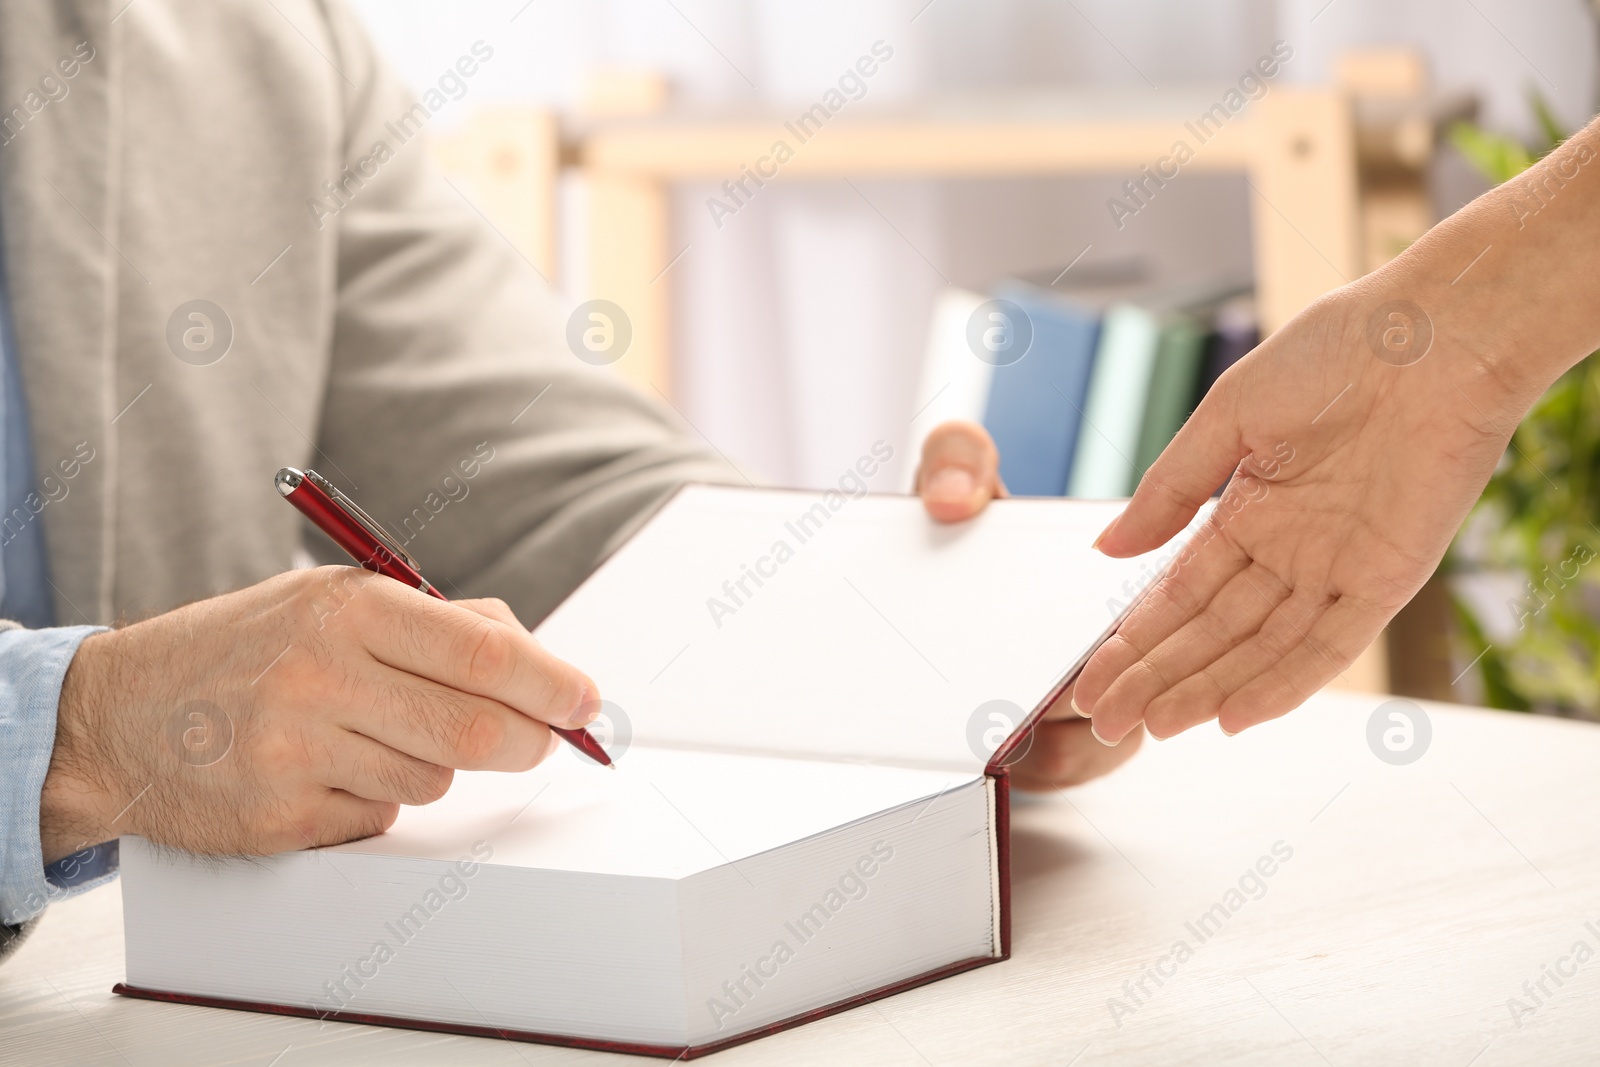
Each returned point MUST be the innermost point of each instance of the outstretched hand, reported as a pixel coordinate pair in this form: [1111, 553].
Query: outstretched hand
[1357, 438]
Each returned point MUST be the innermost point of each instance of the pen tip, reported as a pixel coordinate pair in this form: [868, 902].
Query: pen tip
[611, 766]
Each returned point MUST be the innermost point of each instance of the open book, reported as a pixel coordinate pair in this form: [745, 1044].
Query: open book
[811, 699]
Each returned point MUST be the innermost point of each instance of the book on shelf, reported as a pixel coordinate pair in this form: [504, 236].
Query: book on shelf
[812, 700]
[953, 384]
[1104, 465]
[1235, 330]
[1036, 403]
[1145, 382]
[1174, 378]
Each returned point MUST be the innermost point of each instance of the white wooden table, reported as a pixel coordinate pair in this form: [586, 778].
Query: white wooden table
[1418, 900]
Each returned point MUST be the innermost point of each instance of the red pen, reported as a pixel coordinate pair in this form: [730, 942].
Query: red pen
[372, 547]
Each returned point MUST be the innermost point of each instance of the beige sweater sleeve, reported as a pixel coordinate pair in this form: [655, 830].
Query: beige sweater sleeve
[444, 337]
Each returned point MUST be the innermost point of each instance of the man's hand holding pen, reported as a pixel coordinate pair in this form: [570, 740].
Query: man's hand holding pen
[331, 696]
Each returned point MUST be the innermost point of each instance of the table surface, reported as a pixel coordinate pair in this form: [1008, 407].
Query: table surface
[1417, 902]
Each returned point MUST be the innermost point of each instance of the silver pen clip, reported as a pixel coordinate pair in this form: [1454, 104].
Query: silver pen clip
[367, 521]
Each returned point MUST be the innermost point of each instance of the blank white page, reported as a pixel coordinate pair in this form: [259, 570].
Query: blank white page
[875, 633]
[663, 813]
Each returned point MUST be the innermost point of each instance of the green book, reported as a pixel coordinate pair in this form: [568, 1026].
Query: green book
[1103, 467]
[1174, 378]
[1146, 372]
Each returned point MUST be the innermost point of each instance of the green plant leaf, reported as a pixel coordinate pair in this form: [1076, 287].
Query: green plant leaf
[1497, 157]
[1538, 515]
[1549, 125]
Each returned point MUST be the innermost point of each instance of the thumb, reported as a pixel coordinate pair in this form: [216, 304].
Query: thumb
[960, 471]
[1198, 461]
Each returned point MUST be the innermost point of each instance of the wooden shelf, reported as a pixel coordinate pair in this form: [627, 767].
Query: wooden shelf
[1337, 175]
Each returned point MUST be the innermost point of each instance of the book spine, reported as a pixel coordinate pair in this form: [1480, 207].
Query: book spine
[1036, 402]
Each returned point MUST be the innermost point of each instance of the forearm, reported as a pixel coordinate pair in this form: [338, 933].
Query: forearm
[32, 666]
[1514, 277]
[76, 805]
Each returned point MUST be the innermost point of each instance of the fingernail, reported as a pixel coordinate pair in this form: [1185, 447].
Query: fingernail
[952, 485]
[1112, 525]
[1072, 702]
[588, 709]
[1097, 737]
[1227, 732]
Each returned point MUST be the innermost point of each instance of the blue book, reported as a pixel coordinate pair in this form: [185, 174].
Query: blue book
[1036, 403]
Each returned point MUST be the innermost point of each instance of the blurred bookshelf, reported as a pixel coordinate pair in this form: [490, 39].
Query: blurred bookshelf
[1337, 173]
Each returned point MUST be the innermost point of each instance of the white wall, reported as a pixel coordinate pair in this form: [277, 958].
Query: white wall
[801, 319]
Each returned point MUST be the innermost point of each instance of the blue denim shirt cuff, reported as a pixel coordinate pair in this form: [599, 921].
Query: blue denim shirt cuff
[33, 664]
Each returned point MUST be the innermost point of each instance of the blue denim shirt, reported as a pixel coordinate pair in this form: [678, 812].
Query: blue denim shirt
[33, 663]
